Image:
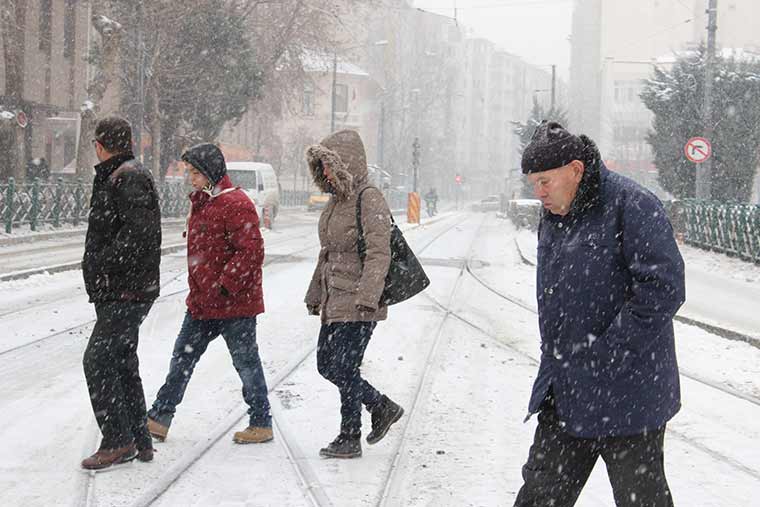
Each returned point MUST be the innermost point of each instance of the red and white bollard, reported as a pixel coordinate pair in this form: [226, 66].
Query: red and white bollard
[266, 218]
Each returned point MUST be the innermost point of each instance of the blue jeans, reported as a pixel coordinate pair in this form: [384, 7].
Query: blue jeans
[193, 339]
[340, 351]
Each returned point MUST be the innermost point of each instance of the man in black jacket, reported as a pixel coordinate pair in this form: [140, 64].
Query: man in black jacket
[121, 276]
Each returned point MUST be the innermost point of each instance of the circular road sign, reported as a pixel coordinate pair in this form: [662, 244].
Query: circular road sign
[698, 149]
[21, 119]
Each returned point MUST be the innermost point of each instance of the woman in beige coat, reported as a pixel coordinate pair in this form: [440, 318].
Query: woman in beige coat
[346, 287]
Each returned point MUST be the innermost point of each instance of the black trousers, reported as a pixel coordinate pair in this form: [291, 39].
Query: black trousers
[559, 465]
[111, 368]
[340, 351]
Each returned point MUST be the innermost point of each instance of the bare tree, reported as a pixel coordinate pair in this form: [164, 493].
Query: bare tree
[105, 57]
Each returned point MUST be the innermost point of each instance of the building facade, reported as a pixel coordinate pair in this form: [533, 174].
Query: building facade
[43, 76]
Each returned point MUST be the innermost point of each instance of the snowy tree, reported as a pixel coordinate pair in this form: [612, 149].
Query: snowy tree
[524, 131]
[676, 97]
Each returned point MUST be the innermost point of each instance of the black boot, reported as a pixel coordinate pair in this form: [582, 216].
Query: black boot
[383, 416]
[344, 446]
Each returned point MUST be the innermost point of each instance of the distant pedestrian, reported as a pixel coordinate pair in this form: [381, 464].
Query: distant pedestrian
[225, 255]
[431, 199]
[121, 275]
[346, 289]
[610, 279]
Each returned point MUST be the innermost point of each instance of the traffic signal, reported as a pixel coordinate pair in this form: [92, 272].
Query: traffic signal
[458, 179]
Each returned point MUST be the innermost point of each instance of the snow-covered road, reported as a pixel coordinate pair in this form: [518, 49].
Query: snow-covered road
[460, 358]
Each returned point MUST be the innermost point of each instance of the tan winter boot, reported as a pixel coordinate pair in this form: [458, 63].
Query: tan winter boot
[253, 435]
[157, 430]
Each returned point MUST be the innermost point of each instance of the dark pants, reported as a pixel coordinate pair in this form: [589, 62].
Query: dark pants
[559, 465]
[112, 371]
[340, 351]
[193, 339]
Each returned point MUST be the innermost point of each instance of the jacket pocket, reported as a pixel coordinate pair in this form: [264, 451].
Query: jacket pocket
[343, 284]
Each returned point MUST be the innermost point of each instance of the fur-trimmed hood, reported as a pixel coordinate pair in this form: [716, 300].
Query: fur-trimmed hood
[344, 153]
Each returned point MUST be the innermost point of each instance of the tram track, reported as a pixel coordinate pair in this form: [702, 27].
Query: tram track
[314, 491]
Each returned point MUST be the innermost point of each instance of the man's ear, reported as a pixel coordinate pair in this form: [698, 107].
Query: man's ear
[578, 168]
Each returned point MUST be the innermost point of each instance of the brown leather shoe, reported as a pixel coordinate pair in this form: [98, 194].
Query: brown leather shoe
[145, 455]
[157, 430]
[253, 435]
[105, 458]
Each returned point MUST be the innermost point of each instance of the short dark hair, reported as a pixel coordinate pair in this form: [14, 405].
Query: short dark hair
[114, 134]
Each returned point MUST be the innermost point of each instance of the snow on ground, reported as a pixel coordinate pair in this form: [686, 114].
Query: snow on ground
[462, 443]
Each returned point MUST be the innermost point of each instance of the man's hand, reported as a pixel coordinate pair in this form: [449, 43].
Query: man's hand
[313, 309]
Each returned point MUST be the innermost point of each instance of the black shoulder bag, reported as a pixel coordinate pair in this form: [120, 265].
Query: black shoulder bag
[405, 278]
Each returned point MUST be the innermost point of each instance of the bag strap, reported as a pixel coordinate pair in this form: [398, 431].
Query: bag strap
[361, 244]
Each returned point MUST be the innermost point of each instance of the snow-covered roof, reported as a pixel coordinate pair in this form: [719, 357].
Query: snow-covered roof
[316, 62]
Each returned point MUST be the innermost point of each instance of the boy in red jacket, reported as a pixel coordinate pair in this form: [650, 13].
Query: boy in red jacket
[225, 253]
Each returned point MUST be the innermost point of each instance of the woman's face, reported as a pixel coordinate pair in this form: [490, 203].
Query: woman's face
[327, 172]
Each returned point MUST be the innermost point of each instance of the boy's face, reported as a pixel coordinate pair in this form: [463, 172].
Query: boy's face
[197, 179]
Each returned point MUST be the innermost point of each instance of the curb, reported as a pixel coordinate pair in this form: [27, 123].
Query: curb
[728, 334]
[18, 275]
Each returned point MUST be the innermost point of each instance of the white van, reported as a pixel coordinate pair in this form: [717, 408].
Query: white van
[259, 182]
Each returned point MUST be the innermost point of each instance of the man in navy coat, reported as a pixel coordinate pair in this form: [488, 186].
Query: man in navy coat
[610, 279]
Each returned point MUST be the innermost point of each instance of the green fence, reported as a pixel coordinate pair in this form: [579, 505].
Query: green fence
[64, 202]
[733, 229]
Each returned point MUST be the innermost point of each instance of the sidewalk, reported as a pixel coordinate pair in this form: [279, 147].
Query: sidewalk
[721, 292]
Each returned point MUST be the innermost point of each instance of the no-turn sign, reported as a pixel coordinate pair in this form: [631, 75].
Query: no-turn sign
[698, 149]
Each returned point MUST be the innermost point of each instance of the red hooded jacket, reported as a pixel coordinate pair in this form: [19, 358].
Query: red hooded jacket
[225, 254]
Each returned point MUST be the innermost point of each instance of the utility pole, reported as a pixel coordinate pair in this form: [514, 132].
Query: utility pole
[704, 170]
[334, 76]
[415, 162]
[554, 86]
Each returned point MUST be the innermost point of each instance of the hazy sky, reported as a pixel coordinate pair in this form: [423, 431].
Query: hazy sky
[536, 30]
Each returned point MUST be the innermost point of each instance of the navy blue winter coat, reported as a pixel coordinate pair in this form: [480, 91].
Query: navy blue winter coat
[610, 279]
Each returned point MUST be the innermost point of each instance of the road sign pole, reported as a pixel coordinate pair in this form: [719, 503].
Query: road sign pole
[704, 170]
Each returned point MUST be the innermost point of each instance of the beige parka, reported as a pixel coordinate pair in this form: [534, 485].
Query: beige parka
[340, 284]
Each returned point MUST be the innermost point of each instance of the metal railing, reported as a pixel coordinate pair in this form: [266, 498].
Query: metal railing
[292, 198]
[733, 229]
[65, 202]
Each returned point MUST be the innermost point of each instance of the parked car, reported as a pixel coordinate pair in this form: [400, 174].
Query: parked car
[259, 182]
[317, 201]
[490, 203]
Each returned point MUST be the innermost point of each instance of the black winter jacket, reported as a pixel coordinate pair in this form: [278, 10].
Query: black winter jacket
[123, 246]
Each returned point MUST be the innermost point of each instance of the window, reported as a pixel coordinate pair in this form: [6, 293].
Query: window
[308, 101]
[69, 29]
[243, 178]
[341, 98]
[46, 25]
